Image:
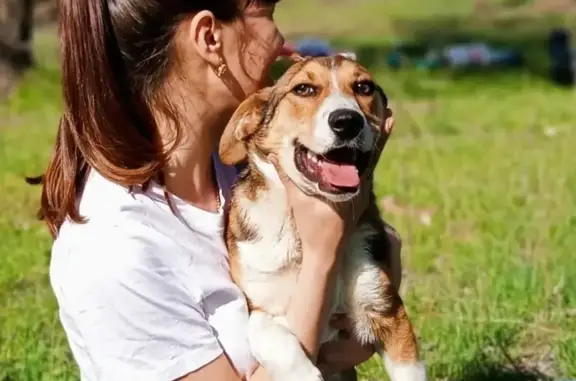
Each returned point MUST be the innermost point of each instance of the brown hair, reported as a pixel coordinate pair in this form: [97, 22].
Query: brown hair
[115, 56]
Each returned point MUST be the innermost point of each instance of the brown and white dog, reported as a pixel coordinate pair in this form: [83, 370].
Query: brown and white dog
[320, 120]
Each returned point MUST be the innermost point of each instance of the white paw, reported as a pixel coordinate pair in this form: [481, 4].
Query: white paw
[270, 341]
[308, 373]
[278, 350]
[405, 372]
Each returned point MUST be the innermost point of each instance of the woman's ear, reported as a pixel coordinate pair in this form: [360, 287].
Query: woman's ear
[245, 121]
[205, 33]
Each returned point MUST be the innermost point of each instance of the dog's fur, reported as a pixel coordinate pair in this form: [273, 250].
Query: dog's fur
[265, 251]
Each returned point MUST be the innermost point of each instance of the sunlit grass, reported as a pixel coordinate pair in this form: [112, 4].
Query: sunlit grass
[478, 179]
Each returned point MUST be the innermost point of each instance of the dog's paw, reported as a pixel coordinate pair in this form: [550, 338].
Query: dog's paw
[278, 350]
[308, 373]
[405, 372]
[272, 344]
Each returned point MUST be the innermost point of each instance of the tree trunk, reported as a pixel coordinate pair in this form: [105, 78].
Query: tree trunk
[16, 24]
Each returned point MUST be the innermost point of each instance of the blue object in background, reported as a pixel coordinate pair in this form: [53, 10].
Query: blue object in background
[455, 56]
[313, 47]
[394, 59]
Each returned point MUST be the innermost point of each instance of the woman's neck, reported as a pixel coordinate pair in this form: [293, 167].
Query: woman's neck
[202, 116]
[189, 173]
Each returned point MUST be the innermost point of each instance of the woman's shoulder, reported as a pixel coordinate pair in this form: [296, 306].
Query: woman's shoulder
[99, 262]
[120, 224]
[123, 233]
[114, 247]
[116, 218]
[138, 247]
[128, 235]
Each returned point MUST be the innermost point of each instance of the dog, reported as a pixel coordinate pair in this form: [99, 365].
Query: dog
[321, 121]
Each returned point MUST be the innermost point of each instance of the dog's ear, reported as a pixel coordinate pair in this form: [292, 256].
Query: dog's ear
[244, 122]
[380, 103]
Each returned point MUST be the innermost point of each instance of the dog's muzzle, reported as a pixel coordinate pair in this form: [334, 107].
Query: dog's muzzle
[346, 124]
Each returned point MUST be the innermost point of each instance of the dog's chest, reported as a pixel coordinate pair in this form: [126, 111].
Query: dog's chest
[274, 244]
[270, 263]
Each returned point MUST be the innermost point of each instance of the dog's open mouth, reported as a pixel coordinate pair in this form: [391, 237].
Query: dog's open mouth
[336, 171]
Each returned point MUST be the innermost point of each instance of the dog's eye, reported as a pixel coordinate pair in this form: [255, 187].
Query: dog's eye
[304, 90]
[364, 87]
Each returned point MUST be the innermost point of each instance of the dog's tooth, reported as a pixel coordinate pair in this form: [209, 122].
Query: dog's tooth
[313, 158]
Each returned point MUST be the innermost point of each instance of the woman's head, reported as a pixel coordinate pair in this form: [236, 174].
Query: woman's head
[184, 42]
[128, 63]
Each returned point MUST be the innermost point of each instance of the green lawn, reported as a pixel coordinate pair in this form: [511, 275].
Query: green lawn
[478, 179]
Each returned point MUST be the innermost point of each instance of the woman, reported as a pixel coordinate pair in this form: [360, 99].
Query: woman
[133, 194]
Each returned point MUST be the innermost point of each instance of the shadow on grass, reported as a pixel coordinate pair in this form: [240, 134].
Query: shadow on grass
[492, 360]
[493, 371]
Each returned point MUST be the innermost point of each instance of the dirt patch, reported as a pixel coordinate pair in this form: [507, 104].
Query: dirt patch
[553, 6]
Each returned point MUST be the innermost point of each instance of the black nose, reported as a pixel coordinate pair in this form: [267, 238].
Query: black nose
[346, 123]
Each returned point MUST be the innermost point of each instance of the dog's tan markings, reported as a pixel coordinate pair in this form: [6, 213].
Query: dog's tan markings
[249, 124]
[391, 325]
[295, 118]
[388, 320]
[374, 106]
[244, 122]
[264, 247]
[348, 73]
[254, 184]
[292, 71]
[312, 77]
[396, 334]
[238, 227]
[253, 307]
[230, 237]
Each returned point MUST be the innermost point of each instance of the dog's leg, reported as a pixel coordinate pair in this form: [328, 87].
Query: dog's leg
[399, 347]
[379, 316]
[278, 350]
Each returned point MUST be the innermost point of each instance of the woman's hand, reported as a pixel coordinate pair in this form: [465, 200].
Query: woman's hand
[319, 225]
[344, 353]
[321, 228]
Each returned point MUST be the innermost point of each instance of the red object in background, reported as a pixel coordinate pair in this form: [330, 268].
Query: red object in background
[286, 51]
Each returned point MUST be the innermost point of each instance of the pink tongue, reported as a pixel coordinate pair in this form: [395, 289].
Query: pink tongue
[340, 175]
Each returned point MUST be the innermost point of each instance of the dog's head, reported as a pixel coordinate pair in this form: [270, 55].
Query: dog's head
[321, 120]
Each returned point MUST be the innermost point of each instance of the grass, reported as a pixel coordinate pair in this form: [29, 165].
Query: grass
[478, 178]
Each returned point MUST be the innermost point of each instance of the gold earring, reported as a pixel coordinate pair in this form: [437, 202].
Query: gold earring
[221, 69]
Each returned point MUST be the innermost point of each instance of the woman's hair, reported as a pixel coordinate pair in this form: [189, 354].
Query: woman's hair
[116, 55]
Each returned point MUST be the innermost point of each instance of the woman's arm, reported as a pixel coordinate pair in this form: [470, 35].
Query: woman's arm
[307, 314]
[306, 317]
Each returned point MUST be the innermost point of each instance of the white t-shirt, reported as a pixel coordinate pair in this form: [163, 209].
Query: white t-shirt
[145, 294]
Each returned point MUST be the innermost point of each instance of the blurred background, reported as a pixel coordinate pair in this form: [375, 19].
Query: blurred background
[478, 178]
